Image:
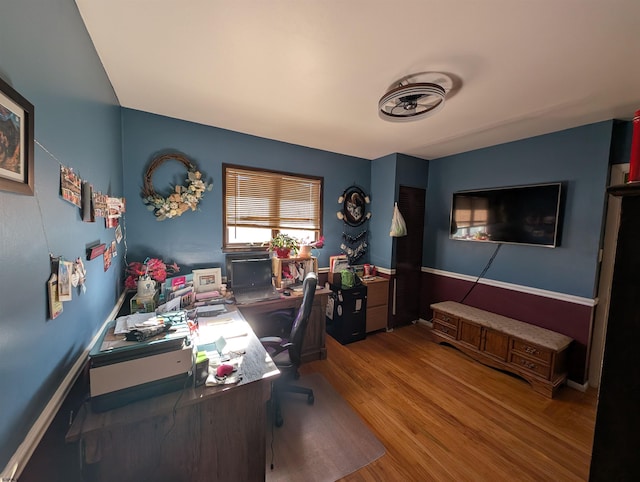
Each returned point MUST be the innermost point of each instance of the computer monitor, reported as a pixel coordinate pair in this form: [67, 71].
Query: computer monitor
[252, 273]
[230, 258]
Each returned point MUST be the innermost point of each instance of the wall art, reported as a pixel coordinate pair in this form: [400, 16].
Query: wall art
[16, 141]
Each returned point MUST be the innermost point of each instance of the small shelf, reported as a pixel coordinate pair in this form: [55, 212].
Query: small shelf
[280, 264]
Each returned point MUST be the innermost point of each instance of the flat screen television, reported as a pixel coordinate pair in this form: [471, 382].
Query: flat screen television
[529, 214]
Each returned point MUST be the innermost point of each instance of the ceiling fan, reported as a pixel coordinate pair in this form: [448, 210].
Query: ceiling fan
[415, 97]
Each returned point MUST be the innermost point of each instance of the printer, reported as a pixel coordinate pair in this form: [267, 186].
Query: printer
[121, 371]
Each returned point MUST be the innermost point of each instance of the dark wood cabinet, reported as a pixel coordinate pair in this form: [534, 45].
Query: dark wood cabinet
[616, 443]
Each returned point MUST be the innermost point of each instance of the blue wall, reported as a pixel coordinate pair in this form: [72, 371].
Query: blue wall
[579, 156]
[47, 56]
[621, 142]
[387, 175]
[194, 240]
[383, 195]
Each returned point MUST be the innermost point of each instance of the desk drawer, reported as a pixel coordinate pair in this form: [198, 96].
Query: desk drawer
[376, 317]
[377, 293]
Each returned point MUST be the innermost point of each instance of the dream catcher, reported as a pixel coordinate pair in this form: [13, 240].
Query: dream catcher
[354, 213]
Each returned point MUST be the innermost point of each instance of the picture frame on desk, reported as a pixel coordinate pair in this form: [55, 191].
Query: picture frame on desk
[209, 279]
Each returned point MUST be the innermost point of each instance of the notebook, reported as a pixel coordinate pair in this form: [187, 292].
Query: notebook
[252, 280]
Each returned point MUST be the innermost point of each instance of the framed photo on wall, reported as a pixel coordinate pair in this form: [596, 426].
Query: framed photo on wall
[207, 279]
[16, 141]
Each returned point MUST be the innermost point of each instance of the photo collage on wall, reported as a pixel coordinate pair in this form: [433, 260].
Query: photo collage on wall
[67, 276]
[94, 204]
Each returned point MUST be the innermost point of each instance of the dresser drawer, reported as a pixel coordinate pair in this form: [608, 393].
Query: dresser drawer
[445, 329]
[532, 366]
[532, 350]
[446, 318]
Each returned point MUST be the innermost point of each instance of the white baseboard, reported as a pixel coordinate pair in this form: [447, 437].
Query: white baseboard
[428, 323]
[25, 450]
[578, 386]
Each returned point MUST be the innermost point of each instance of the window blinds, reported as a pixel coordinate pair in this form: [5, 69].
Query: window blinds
[266, 199]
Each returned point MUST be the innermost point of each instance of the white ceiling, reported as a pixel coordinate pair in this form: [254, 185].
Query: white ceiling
[311, 72]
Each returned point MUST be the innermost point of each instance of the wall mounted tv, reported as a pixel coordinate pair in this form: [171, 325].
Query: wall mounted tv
[528, 214]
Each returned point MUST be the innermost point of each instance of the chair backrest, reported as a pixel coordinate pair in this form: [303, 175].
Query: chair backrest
[302, 318]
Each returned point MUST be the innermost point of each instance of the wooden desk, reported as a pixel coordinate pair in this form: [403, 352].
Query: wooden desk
[197, 434]
[313, 347]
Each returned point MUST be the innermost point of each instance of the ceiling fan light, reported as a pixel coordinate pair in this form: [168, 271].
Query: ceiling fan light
[411, 102]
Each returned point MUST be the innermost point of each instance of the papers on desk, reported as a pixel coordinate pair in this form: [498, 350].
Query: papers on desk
[228, 325]
[210, 332]
[124, 324]
[171, 305]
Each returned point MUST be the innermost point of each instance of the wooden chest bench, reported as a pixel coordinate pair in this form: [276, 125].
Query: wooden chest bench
[536, 354]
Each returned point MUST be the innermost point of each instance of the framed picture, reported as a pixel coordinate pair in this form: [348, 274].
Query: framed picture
[207, 279]
[354, 206]
[55, 305]
[16, 141]
[65, 269]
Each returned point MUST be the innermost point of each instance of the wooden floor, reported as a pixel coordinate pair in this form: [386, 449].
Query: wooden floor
[443, 416]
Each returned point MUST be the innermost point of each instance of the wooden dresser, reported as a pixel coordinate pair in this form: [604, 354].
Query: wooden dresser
[536, 354]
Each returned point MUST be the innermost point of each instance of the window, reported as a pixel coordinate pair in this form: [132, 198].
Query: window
[258, 204]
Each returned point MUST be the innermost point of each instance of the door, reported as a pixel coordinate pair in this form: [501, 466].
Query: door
[408, 257]
[612, 224]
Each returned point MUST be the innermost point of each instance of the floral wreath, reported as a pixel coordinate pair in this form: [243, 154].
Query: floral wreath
[184, 196]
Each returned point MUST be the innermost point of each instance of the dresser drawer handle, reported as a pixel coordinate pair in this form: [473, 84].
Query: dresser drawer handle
[444, 330]
[446, 318]
[529, 365]
[531, 350]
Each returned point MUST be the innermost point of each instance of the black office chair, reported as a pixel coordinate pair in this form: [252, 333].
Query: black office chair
[286, 353]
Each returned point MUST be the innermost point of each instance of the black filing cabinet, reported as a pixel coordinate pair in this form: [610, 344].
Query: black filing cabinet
[347, 313]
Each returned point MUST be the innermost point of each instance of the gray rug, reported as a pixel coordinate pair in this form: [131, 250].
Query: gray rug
[321, 442]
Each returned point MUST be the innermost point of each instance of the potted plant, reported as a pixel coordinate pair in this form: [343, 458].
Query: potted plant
[306, 246]
[283, 245]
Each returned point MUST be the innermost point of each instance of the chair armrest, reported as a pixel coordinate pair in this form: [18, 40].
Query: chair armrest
[273, 345]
